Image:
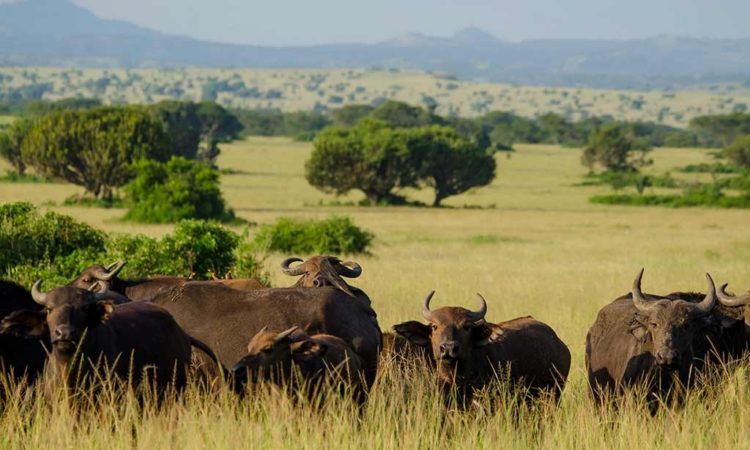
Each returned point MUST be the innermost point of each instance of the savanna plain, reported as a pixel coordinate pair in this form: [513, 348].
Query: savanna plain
[531, 243]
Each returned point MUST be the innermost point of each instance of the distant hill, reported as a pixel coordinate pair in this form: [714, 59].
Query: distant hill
[60, 33]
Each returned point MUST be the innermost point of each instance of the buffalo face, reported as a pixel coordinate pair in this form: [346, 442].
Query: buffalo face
[673, 326]
[68, 313]
[452, 333]
[322, 271]
[271, 355]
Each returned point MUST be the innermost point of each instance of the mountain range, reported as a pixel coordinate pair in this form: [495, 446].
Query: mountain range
[60, 33]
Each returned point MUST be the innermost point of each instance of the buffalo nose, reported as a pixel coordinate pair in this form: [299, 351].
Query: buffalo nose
[666, 357]
[64, 333]
[448, 350]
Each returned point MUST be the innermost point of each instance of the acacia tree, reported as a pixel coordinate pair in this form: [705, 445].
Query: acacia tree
[612, 148]
[371, 157]
[94, 148]
[10, 144]
[448, 162]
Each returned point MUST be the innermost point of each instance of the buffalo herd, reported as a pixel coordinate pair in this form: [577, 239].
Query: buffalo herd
[322, 331]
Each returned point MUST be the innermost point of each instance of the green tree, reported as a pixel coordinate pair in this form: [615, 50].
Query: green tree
[370, 157]
[216, 125]
[349, 115]
[10, 144]
[93, 148]
[449, 163]
[402, 115]
[175, 190]
[612, 148]
[739, 152]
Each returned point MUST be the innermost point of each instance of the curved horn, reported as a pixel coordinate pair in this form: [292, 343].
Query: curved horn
[480, 313]
[730, 300]
[292, 272]
[110, 271]
[426, 313]
[285, 334]
[349, 269]
[707, 304]
[638, 300]
[37, 294]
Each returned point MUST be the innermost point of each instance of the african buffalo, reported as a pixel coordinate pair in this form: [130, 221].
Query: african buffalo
[648, 340]
[136, 290]
[320, 360]
[20, 357]
[89, 327]
[470, 353]
[226, 319]
[241, 284]
[320, 271]
[735, 309]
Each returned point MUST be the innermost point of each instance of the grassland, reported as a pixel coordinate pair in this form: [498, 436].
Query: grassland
[319, 89]
[536, 247]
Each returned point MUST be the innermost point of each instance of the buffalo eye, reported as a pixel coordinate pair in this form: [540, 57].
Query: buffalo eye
[654, 325]
[433, 326]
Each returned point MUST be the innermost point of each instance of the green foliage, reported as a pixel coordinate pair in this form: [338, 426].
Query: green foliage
[11, 176]
[57, 248]
[28, 237]
[370, 157]
[716, 168]
[720, 130]
[402, 115]
[621, 180]
[349, 115]
[299, 125]
[175, 190]
[196, 129]
[614, 149]
[335, 235]
[739, 152]
[93, 148]
[10, 144]
[449, 163]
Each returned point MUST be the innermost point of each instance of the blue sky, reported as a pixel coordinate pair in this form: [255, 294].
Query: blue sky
[284, 22]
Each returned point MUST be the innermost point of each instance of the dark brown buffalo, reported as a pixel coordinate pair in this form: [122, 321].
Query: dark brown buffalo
[470, 352]
[735, 310]
[648, 340]
[240, 284]
[320, 271]
[106, 278]
[226, 319]
[89, 327]
[20, 357]
[320, 360]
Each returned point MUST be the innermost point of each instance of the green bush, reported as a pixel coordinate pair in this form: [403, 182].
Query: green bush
[335, 235]
[708, 195]
[739, 152]
[175, 190]
[28, 237]
[57, 248]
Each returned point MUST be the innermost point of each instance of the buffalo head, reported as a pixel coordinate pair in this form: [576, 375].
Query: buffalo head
[322, 271]
[451, 332]
[270, 355]
[68, 312]
[98, 276]
[673, 325]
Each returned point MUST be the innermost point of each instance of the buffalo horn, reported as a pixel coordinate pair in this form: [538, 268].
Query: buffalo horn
[349, 269]
[638, 300]
[299, 270]
[285, 334]
[426, 313]
[731, 300]
[479, 314]
[37, 294]
[111, 271]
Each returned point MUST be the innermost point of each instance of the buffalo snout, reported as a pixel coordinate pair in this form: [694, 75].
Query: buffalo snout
[667, 357]
[65, 332]
[449, 350]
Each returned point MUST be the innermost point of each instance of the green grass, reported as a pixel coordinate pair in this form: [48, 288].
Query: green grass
[543, 250]
[306, 89]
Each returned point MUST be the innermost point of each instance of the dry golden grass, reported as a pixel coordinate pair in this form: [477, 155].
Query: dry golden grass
[538, 248]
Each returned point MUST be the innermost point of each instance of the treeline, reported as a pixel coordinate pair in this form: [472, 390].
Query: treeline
[499, 129]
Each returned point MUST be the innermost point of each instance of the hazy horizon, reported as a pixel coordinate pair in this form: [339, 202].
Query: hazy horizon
[295, 22]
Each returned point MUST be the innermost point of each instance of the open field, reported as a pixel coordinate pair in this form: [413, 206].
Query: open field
[309, 89]
[537, 247]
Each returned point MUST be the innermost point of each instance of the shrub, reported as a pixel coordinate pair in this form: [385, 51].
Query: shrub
[739, 152]
[178, 189]
[613, 148]
[56, 248]
[335, 235]
[28, 237]
[709, 195]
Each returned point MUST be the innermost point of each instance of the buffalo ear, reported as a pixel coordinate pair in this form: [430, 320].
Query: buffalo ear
[25, 323]
[417, 333]
[105, 308]
[485, 333]
[307, 350]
